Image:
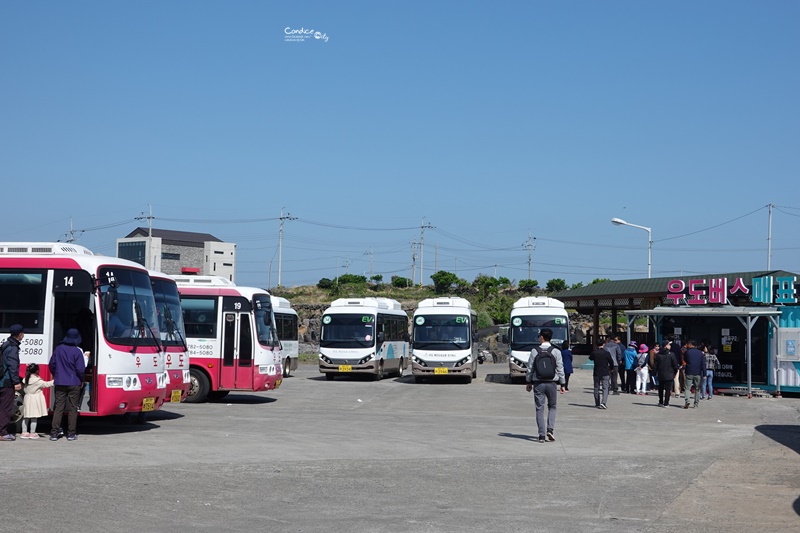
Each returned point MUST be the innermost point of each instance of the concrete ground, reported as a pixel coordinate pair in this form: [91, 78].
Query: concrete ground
[396, 456]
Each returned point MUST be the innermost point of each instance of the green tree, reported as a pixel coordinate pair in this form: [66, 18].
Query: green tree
[354, 279]
[325, 283]
[576, 286]
[599, 280]
[377, 278]
[527, 285]
[400, 282]
[556, 285]
[443, 281]
[486, 286]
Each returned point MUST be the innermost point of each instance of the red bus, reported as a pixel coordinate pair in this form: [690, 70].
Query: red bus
[52, 287]
[173, 336]
[231, 335]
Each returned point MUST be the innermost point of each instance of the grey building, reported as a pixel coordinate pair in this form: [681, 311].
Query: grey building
[179, 252]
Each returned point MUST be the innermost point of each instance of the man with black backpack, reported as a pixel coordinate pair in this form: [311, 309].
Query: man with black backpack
[545, 369]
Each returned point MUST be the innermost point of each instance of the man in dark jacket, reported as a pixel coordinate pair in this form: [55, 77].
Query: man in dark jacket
[9, 381]
[68, 368]
[695, 368]
[603, 366]
[615, 350]
[666, 366]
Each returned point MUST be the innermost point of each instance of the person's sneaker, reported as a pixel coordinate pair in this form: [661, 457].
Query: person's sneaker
[598, 406]
[686, 405]
[660, 404]
[550, 436]
[615, 393]
[9, 437]
[603, 406]
[72, 436]
[34, 435]
[541, 438]
[54, 436]
[24, 435]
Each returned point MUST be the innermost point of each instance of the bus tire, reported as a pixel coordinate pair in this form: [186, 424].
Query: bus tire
[379, 373]
[329, 376]
[475, 372]
[217, 395]
[468, 379]
[199, 386]
[400, 369]
[287, 367]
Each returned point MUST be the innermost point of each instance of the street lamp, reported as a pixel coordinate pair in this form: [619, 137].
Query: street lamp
[620, 222]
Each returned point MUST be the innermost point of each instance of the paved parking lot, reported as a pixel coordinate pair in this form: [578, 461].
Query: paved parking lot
[396, 456]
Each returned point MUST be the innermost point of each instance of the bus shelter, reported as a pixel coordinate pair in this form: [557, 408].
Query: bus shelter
[714, 323]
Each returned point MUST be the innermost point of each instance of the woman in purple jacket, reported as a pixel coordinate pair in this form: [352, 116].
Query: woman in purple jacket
[67, 366]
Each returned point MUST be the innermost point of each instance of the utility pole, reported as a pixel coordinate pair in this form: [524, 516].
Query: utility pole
[529, 245]
[371, 257]
[70, 235]
[149, 219]
[422, 229]
[769, 239]
[280, 242]
[413, 261]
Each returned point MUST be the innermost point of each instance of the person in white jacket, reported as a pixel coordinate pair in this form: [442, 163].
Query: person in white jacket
[33, 404]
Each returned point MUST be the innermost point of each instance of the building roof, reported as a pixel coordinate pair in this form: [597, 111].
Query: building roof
[168, 236]
[647, 293]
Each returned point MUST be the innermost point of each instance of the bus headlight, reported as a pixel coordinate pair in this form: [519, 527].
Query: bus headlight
[367, 359]
[324, 359]
[113, 381]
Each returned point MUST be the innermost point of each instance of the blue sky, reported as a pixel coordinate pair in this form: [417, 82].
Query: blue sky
[490, 121]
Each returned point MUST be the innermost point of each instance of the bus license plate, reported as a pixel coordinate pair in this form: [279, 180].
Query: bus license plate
[440, 370]
[345, 368]
[148, 404]
[176, 396]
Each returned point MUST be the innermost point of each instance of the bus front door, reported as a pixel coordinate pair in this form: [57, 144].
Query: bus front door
[237, 352]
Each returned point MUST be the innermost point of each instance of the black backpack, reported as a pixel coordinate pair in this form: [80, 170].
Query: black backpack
[544, 364]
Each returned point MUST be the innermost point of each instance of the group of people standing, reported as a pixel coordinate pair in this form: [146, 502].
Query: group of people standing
[67, 366]
[665, 363]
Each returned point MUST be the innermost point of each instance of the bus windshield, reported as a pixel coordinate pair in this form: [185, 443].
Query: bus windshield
[348, 331]
[135, 321]
[265, 320]
[442, 332]
[524, 331]
[170, 315]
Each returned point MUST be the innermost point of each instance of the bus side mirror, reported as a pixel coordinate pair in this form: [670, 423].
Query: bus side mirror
[406, 337]
[505, 339]
[110, 301]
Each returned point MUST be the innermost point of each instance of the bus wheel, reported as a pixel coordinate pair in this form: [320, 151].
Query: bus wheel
[329, 376]
[286, 369]
[379, 374]
[400, 369]
[198, 386]
[475, 372]
[468, 379]
[217, 395]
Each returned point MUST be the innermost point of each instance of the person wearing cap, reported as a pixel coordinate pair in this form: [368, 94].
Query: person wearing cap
[10, 381]
[67, 367]
[601, 374]
[642, 374]
[629, 383]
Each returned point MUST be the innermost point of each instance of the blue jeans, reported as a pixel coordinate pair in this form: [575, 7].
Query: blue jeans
[708, 384]
[545, 390]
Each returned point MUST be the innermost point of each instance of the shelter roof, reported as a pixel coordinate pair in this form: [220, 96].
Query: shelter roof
[648, 293]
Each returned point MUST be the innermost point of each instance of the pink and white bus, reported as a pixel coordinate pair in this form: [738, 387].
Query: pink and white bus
[52, 287]
[231, 335]
[173, 336]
